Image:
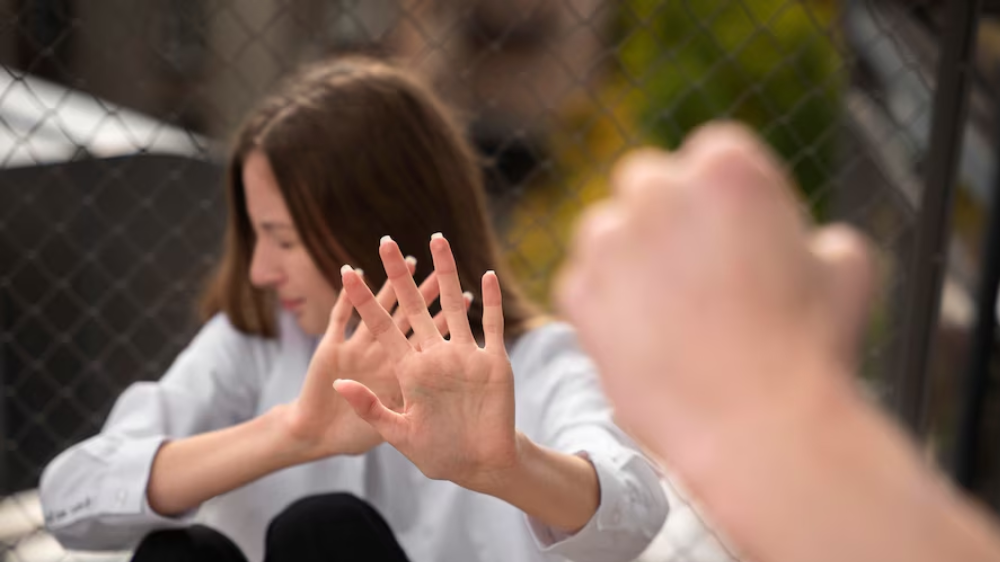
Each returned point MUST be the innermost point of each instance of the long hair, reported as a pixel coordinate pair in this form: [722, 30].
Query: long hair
[360, 149]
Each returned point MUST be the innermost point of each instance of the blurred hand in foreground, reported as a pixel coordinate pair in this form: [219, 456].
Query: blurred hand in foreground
[726, 329]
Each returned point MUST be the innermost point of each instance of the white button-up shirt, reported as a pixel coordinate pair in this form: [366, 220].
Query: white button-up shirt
[94, 494]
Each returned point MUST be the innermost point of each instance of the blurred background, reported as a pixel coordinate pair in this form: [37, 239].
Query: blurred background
[115, 117]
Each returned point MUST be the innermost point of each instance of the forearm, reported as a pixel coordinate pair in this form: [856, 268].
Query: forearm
[559, 490]
[841, 482]
[890, 502]
[189, 471]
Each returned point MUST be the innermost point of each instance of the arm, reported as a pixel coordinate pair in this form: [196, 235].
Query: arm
[171, 445]
[187, 472]
[561, 406]
[201, 465]
[833, 482]
[560, 490]
[726, 331]
[617, 522]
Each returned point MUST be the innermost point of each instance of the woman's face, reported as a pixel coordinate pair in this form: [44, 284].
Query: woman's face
[280, 259]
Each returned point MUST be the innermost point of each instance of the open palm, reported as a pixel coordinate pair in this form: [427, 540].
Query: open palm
[320, 419]
[456, 421]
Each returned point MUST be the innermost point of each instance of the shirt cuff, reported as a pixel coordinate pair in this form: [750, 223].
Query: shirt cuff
[631, 512]
[102, 505]
[123, 489]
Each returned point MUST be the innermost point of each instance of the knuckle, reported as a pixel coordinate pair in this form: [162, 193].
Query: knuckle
[379, 327]
[597, 230]
[638, 175]
[637, 163]
[717, 133]
[372, 411]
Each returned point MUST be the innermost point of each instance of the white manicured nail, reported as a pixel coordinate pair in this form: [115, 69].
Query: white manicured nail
[436, 235]
[384, 239]
[360, 272]
[411, 260]
[345, 268]
[469, 296]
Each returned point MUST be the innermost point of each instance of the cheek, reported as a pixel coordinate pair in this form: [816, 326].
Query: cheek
[312, 281]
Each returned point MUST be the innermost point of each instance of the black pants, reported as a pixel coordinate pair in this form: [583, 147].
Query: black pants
[328, 528]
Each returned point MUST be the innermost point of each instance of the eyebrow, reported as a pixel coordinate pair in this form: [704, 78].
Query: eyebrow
[273, 226]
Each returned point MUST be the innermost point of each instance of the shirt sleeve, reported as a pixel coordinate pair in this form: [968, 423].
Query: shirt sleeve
[573, 416]
[94, 493]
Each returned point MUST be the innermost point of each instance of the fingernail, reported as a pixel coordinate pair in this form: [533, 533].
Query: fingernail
[345, 268]
[489, 271]
[436, 235]
[360, 272]
[411, 260]
[469, 296]
[384, 239]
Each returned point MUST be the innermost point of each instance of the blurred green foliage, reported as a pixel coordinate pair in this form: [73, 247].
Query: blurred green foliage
[676, 64]
[773, 64]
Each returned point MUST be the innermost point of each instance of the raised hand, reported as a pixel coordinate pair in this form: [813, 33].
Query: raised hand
[456, 420]
[319, 420]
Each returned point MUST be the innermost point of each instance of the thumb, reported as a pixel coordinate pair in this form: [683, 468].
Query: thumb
[849, 273]
[369, 408]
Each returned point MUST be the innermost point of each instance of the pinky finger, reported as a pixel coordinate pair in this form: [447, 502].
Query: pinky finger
[492, 313]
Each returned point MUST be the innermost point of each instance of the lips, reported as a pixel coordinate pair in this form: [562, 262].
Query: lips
[291, 304]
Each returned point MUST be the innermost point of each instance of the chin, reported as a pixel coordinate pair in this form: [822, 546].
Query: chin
[310, 325]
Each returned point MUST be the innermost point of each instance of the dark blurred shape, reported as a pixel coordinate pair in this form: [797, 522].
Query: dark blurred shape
[508, 65]
[98, 285]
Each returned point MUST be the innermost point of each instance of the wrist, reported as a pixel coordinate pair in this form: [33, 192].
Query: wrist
[500, 479]
[560, 490]
[287, 443]
[793, 415]
[829, 459]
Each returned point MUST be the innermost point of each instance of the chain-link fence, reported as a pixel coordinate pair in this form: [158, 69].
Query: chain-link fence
[114, 118]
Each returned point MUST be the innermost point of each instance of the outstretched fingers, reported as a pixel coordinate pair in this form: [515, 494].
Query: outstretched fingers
[387, 298]
[429, 290]
[374, 315]
[410, 300]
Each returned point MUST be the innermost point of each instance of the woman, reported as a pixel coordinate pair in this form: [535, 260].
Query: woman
[245, 449]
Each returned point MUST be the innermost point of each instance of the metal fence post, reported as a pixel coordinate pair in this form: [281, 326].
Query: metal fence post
[975, 383]
[4, 436]
[933, 223]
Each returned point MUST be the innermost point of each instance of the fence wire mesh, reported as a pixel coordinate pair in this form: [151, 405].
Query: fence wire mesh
[114, 118]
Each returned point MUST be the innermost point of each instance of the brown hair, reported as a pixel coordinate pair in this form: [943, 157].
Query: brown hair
[360, 149]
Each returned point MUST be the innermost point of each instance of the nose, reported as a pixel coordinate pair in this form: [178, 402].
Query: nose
[265, 269]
